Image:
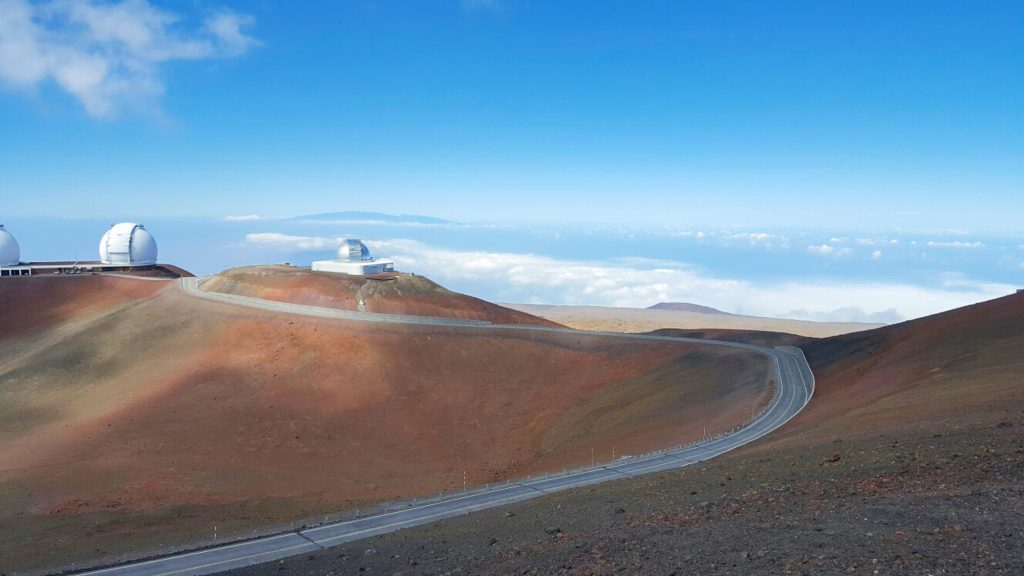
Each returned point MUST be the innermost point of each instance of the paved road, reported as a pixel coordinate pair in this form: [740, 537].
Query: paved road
[794, 390]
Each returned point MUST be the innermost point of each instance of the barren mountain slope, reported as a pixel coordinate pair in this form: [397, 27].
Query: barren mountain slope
[34, 303]
[909, 460]
[163, 419]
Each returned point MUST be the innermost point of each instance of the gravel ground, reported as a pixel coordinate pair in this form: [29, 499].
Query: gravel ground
[917, 503]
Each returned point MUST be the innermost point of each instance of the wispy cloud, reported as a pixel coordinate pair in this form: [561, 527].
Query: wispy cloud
[242, 218]
[107, 55]
[956, 244]
[828, 250]
[292, 243]
[698, 234]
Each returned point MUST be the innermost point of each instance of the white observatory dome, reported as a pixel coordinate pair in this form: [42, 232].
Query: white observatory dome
[10, 252]
[128, 244]
[353, 251]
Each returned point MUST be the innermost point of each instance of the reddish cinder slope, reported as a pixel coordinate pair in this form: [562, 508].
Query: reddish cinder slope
[33, 303]
[936, 369]
[386, 293]
[163, 419]
[908, 460]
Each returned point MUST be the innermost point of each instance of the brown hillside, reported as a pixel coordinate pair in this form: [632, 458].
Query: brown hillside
[35, 302]
[160, 420]
[386, 293]
[909, 460]
[935, 370]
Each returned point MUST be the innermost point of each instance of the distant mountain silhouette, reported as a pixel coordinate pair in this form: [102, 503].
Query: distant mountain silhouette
[687, 307]
[356, 216]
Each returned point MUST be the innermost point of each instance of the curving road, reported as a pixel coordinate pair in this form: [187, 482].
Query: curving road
[795, 385]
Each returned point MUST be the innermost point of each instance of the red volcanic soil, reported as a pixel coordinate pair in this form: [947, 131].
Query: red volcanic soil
[32, 303]
[392, 293]
[930, 371]
[155, 422]
[908, 460]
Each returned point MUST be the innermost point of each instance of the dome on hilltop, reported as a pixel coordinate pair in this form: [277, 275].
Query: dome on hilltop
[10, 252]
[353, 251]
[128, 244]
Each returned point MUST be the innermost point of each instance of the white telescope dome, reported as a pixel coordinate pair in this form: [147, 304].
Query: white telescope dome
[10, 252]
[353, 251]
[128, 244]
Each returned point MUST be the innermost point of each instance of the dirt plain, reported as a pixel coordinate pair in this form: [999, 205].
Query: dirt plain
[134, 416]
[909, 460]
[609, 319]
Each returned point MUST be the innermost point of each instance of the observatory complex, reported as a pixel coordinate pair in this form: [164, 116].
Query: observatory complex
[125, 247]
[354, 259]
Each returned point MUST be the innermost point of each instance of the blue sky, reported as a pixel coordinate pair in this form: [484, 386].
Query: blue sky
[865, 158]
[839, 113]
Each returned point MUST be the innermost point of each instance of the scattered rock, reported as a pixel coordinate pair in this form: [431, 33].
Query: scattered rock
[552, 530]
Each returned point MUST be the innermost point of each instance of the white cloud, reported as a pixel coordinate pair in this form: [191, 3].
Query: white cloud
[512, 277]
[956, 244]
[640, 282]
[876, 255]
[752, 237]
[828, 250]
[107, 55]
[226, 27]
[292, 243]
[847, 314]
[698, 234]
[242, 218]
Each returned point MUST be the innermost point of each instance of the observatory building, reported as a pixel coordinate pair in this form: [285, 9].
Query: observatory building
[354, 258]
[10, 252]
[128, 244]
[126, 247]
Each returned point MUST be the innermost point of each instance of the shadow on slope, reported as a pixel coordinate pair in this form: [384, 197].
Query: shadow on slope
[160, 420]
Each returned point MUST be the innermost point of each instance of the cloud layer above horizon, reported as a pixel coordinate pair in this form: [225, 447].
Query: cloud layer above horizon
[641, 282]
[107, 55]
